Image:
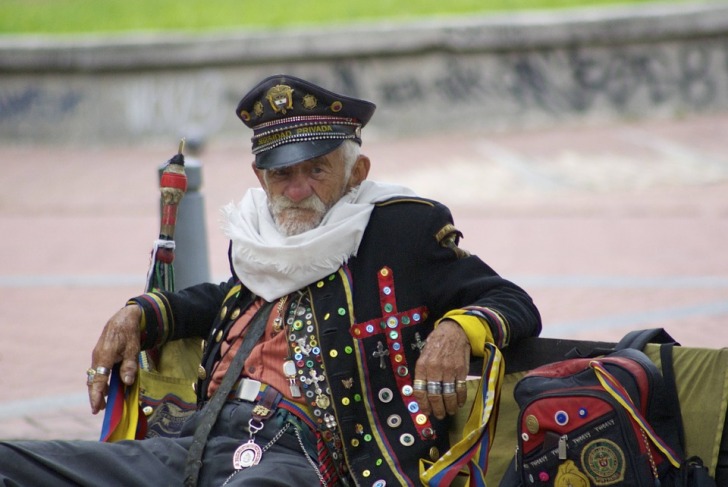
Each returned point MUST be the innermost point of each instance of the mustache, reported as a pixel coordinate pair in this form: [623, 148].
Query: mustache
[281, 203]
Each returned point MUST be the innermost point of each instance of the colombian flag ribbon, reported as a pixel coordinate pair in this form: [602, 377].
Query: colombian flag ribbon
[472, 450]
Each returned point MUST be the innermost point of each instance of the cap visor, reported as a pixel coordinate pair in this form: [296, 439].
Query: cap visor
[293, 153]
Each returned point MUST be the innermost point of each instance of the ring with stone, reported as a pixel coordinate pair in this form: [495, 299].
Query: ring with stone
[90, 373]
[448, 388]
[102, 370]
[434, 388]
[419, 385]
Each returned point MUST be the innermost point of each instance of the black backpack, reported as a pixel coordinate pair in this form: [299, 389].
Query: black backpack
[602, 421]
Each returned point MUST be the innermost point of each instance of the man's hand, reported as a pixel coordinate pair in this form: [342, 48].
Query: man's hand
[119, 342]
[444, 360]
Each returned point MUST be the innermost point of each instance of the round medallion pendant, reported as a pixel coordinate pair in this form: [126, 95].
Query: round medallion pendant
[247, 455]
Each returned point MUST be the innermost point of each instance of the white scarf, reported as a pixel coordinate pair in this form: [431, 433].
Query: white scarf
[272, 265]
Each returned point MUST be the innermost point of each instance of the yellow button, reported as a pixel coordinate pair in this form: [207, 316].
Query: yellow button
[223, 312]
[420, 419]
[235, 314]
[333, 353]
[218, 337]
[366, 473]
[201, 372]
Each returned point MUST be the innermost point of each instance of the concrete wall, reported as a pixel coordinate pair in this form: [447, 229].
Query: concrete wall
[484, 73]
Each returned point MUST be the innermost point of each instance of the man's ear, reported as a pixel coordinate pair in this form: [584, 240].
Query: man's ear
[260, 174]
[360, 171]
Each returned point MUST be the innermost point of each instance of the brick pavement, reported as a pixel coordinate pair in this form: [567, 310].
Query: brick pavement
[609, 228]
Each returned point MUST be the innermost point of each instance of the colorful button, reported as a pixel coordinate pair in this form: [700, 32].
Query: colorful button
[348, 349]
[342, 311]
[345, 401]
[235, 314]
[394, 421]
[384, 272]
[407, 390]
[561, 418]
[333, 353]
[413, 407]
[392, 322]
[380, 483]
[407, 439]
[402, 371]
[387, 290]
[385, 395]
[420, 419]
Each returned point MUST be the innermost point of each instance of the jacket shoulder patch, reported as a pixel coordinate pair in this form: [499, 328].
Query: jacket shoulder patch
[448, 237]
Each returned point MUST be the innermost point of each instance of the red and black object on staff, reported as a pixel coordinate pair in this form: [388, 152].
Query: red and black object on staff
[173, 185]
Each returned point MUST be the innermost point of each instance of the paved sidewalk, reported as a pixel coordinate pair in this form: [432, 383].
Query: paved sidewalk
[609, 228]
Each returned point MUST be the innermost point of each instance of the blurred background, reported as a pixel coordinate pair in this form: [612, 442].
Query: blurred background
[580, 146]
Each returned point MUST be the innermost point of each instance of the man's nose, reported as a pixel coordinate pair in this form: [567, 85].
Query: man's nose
[298, 187]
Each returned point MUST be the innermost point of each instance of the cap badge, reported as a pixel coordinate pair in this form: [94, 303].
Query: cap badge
[258, 109]
[280, 98]
[309, 102]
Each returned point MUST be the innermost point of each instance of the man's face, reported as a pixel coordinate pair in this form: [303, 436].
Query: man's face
[299, 196]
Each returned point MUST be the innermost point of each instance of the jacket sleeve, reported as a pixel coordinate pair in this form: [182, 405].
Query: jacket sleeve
[187, 313]
[455, 283]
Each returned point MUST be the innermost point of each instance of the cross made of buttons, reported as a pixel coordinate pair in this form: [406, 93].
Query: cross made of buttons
[389, 327]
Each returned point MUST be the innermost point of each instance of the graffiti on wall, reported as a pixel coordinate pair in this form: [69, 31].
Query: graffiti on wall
[574, 81]
[174, 103]
[553, 84]
[36, 103]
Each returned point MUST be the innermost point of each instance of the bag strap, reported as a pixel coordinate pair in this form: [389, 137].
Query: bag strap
[212, 410]
[640, 338]
[617, 391]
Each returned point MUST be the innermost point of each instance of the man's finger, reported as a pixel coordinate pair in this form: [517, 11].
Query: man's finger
[461, 391]
[451, 403]
[437, 405]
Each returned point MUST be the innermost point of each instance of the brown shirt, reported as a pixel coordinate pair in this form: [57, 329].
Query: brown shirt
[265, 362]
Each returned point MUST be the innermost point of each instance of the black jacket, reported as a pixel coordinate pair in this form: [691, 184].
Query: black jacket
[410, 248]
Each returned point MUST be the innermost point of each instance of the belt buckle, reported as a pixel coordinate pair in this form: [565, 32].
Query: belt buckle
[248, 389]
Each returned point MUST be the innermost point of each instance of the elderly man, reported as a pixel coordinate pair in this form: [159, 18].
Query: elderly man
[337, 351]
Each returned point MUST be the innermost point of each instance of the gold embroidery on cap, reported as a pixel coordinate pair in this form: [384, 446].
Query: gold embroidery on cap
[337, 106]
[309, 102]
[280, 98]
[258, 109]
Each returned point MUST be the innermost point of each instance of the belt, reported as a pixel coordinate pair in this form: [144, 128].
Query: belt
[254, 391]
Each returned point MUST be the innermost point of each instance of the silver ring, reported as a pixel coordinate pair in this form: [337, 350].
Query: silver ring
[102, 370]
[419, 385]
[448, 388]
[434, 388]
